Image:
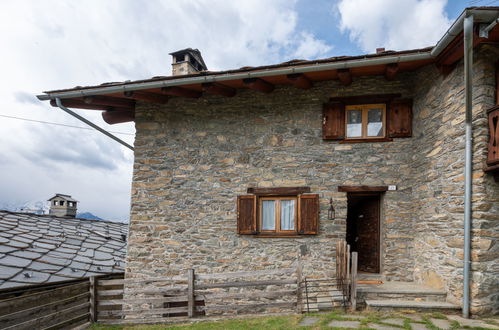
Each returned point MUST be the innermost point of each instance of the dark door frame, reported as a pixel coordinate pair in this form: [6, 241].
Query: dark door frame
[379, 195]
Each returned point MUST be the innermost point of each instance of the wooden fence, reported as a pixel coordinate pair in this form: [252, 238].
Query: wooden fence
[346, 272]
[50, 306]
[159, 299]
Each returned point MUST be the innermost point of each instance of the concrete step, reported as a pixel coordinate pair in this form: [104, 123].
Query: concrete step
[420, 306]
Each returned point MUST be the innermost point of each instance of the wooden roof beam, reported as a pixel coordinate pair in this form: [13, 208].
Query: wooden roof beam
[300, 80]
[345, 76]
[258, 84]
[182, 92]
[109, 101]
[218, 89]
[146, 97]
[391, 71]
[118, 116]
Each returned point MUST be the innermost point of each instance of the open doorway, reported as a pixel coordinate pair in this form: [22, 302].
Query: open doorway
[363, 230]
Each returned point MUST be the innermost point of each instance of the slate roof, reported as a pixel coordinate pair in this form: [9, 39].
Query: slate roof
[38, 249]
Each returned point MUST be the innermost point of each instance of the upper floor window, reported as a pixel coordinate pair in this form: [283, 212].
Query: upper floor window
[365, 121]
[367, 118]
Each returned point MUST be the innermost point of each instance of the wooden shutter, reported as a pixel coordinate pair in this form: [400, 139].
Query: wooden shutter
[399, 118]
[493, 154]
[333, 121]
[246, 214]
[308, 214]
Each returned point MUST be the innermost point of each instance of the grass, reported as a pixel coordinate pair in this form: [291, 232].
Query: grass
[289, 322]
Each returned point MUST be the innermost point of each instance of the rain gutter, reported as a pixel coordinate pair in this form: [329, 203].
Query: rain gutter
[468, 163]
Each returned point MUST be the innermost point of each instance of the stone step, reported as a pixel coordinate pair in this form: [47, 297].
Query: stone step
[385, 305]
[400, 291]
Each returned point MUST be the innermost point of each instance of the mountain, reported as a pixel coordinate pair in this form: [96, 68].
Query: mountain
[87, 215]
[36, 207]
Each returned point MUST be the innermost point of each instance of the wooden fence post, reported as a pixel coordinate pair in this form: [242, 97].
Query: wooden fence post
[353, 292]
[93, 298]
[299, 295]
[191, 305]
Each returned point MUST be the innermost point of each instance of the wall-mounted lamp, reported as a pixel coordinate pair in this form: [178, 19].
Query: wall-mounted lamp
[331, 212]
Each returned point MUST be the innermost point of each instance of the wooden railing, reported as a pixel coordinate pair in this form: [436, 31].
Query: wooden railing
[346, 272]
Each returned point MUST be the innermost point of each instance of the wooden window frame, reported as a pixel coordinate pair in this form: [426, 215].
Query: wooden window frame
[364, 108]
[277, 215]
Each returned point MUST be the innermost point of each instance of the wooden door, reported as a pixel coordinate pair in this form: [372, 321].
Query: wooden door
[363, 232]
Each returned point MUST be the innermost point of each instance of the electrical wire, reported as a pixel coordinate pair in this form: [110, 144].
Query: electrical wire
[58, 124]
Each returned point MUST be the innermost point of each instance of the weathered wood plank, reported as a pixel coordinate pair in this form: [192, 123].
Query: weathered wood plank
[93, 299]
[362, 188]
[278, 191]
[35, 311]
[151, 291]
[111, 282]
[105, 293]
[170, 310]
[66, 323]
[245, 284]
[270, 294]
[299, 298]
[248, 306]
[53, 317]
[190, 293]
[8, 306]
[283, 271]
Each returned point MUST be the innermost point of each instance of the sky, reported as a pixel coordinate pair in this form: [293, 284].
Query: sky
[55, 44]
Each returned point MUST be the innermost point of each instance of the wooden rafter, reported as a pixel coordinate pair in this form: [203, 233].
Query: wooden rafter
[118, 116]
[345, 76]
[218, 89]
[300, 80]
[182, 92]
[259, 85]
[146, 97]
[391, 71]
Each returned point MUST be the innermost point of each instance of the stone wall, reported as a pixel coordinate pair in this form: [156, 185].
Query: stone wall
[193, 157]
[439, 184]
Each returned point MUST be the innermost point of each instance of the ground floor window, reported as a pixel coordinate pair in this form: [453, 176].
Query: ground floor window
[278, 214]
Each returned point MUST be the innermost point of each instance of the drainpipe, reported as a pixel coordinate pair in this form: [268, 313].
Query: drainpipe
[468, 88]
[89, 123]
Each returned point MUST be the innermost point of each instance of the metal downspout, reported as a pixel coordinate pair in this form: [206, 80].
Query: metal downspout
[89, 123]
[468, 77]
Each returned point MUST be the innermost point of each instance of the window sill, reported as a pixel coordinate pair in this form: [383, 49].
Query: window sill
[366, 140]
[277, 236]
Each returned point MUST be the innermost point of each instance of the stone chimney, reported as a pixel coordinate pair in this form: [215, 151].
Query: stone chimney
[187, 61]
[63, 206]
[380, 50]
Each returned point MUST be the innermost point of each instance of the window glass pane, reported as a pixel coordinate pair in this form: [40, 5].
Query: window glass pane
[354, 123]
[375, 122]
[287, 214]
[268, 215]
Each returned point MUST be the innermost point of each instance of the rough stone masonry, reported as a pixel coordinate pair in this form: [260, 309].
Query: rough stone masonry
[194, 156]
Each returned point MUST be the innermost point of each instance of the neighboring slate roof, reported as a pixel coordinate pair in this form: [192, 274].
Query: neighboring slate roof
[41, 248]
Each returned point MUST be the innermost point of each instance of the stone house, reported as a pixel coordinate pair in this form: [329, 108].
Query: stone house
[249, 168]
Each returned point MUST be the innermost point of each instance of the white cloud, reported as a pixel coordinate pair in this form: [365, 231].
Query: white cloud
[54, 44]
[393, 24]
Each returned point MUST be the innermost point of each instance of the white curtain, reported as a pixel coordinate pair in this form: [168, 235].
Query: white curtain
[287, 214]
[268, 215]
